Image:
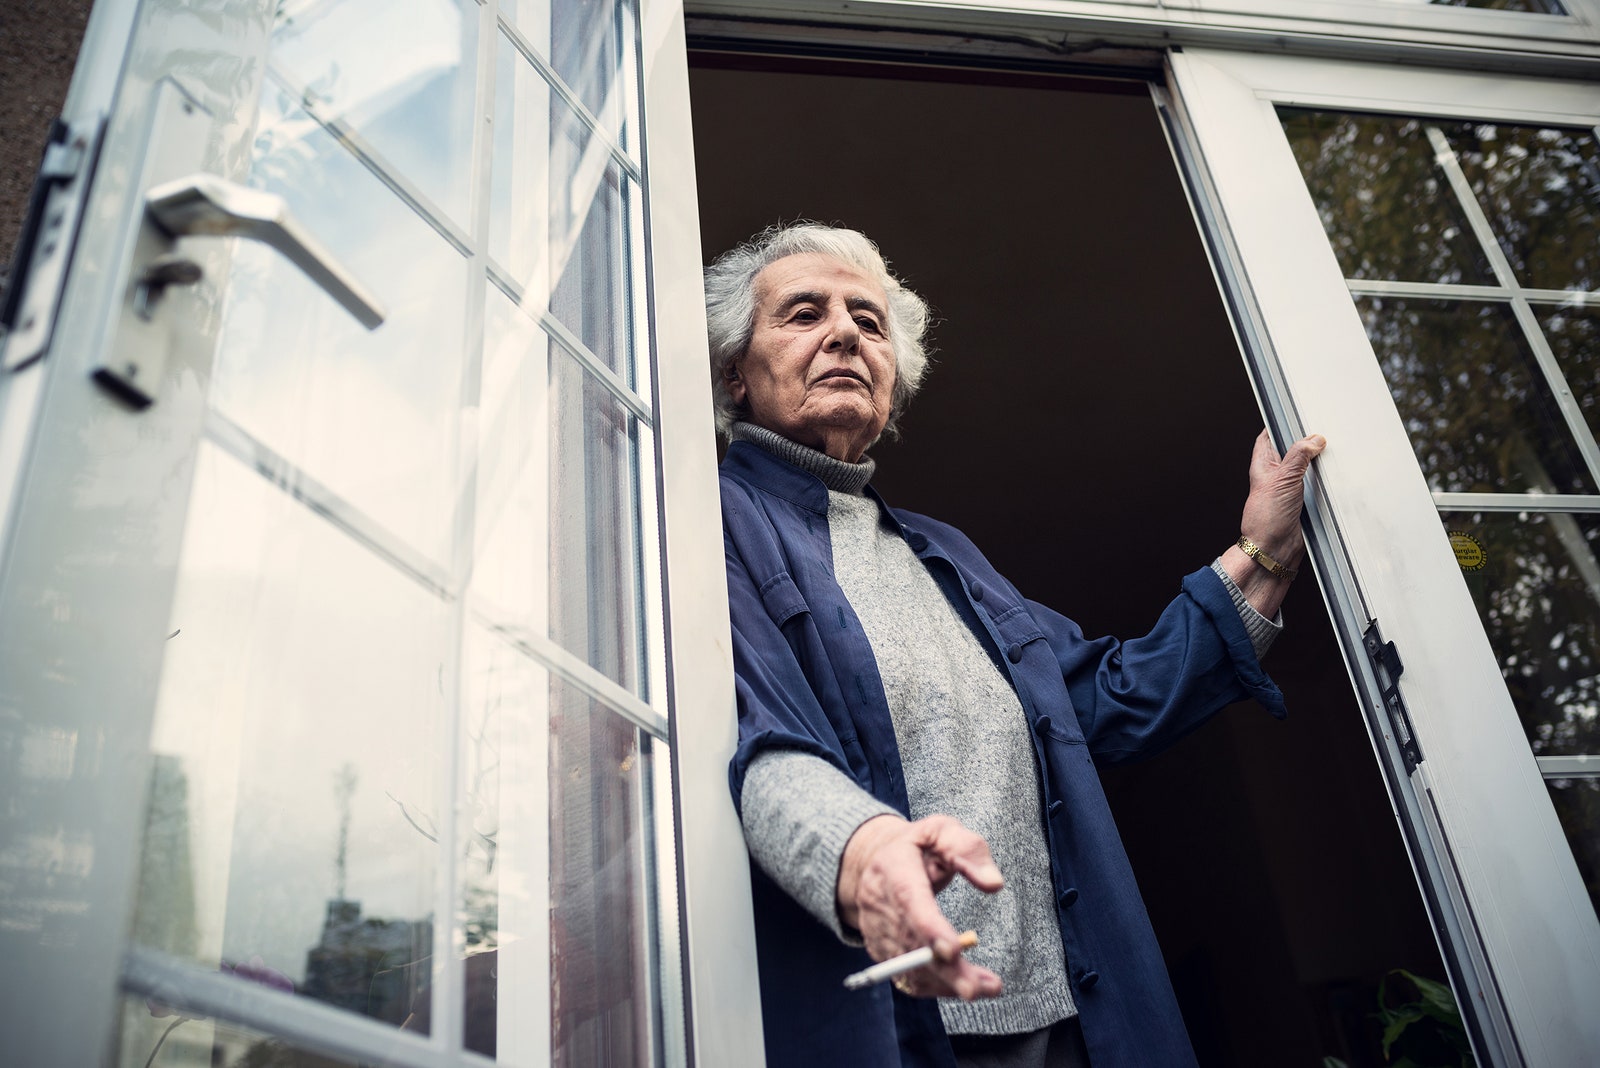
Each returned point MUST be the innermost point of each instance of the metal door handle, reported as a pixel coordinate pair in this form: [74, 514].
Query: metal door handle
[203, 204]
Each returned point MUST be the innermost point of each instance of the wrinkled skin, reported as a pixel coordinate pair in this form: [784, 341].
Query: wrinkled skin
[819, 368]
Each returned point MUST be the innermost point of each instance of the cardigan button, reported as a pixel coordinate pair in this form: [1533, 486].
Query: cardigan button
[1087, 980]
[977, 591]
[1014, 654]
[916, 541]
[1068, 898]
[1055, 806]
[1041, 724]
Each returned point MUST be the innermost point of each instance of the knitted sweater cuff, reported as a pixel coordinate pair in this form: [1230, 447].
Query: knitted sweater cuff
[1263, 631]
[798, 813]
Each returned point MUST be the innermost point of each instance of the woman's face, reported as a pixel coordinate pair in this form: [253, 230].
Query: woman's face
[819, 369]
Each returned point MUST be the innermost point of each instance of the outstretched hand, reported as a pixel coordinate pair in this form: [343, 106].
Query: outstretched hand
[1271, 518]
[890, 873]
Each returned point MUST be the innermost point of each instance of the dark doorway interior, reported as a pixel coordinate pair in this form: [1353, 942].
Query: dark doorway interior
[1088, 424]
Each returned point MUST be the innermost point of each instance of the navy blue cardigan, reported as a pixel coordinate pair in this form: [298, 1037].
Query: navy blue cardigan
[806, 680]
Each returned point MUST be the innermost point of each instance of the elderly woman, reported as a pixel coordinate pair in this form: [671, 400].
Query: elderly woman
[918, 742]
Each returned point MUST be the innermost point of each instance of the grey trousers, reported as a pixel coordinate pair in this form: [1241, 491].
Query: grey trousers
[1058, 1046]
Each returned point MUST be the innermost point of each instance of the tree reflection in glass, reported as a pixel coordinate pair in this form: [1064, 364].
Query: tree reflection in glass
[1479, 413]
[1574, 337]
[1577, 804]
[1537, 591]
[1481, 379]
[1540, 188]
[1383, 201]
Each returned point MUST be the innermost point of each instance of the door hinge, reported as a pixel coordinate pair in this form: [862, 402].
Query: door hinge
[44, 250]
[1387, 669]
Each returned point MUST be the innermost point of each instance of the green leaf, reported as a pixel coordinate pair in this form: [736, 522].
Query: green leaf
[1436, 996]
[1396, 1025]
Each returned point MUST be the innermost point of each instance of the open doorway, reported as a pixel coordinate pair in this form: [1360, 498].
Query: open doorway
[1088, 423]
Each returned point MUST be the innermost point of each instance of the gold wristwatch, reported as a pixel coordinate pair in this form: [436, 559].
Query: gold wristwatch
[1256, 553]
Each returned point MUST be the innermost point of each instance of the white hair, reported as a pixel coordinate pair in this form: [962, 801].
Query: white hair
[731, 308]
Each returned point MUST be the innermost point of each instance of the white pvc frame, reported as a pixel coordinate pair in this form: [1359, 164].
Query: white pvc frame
[1520, 913]
[1101, 31]
[63, 1007]
[90, 687]
[723, 1003]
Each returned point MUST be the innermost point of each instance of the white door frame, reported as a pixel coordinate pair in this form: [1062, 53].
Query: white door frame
[80, 661]
[1509, 907]
[724, 1005]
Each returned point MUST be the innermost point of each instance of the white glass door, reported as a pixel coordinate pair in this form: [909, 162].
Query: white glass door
[1411, 257]
[335, 651]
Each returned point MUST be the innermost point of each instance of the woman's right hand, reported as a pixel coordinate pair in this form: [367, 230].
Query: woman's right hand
[888, 877]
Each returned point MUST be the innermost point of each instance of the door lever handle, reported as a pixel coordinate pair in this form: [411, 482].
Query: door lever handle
[205, 205]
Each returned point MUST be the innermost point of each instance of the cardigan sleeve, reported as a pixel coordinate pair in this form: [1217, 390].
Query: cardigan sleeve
[787, 679]
[1137, 697]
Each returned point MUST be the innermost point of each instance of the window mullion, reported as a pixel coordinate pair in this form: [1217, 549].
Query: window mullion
[1445, 156]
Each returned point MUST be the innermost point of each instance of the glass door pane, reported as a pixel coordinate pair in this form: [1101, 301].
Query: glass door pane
[1412, 262]
[1467, 246]
[404, 785]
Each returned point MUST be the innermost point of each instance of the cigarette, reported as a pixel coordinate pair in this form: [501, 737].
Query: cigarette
[905, 962]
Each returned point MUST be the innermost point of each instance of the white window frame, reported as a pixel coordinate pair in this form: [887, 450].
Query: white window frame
[1132, 34]
[718, 923]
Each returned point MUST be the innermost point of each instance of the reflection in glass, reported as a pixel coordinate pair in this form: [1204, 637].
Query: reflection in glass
[147, 1041]
[371, 415]
[558, 517]
[505, 851]
[1391, 214]
[559, 212]
[407, 92]
[589, 256]
[1475, 405]
[520, 192]
[294, 790]
[1540, 188]
[599, 919]
[589, 44]
[1577, 804]
[594, 558]
[1387, 207]
[1537, 591]
[555, 919]
[1574, 337]
[400, 74]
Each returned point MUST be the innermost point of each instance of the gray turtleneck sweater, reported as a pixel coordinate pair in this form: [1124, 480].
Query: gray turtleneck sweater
[964, 747]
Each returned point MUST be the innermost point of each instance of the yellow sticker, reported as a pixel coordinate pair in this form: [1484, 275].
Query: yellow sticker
[1469, 552]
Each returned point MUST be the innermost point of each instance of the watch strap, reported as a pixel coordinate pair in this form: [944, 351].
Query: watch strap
[1260, 556]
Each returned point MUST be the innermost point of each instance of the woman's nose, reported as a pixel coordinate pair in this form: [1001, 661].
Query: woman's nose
[843, 333]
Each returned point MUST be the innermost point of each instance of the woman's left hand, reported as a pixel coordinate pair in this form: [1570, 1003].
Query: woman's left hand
[1271, 518]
